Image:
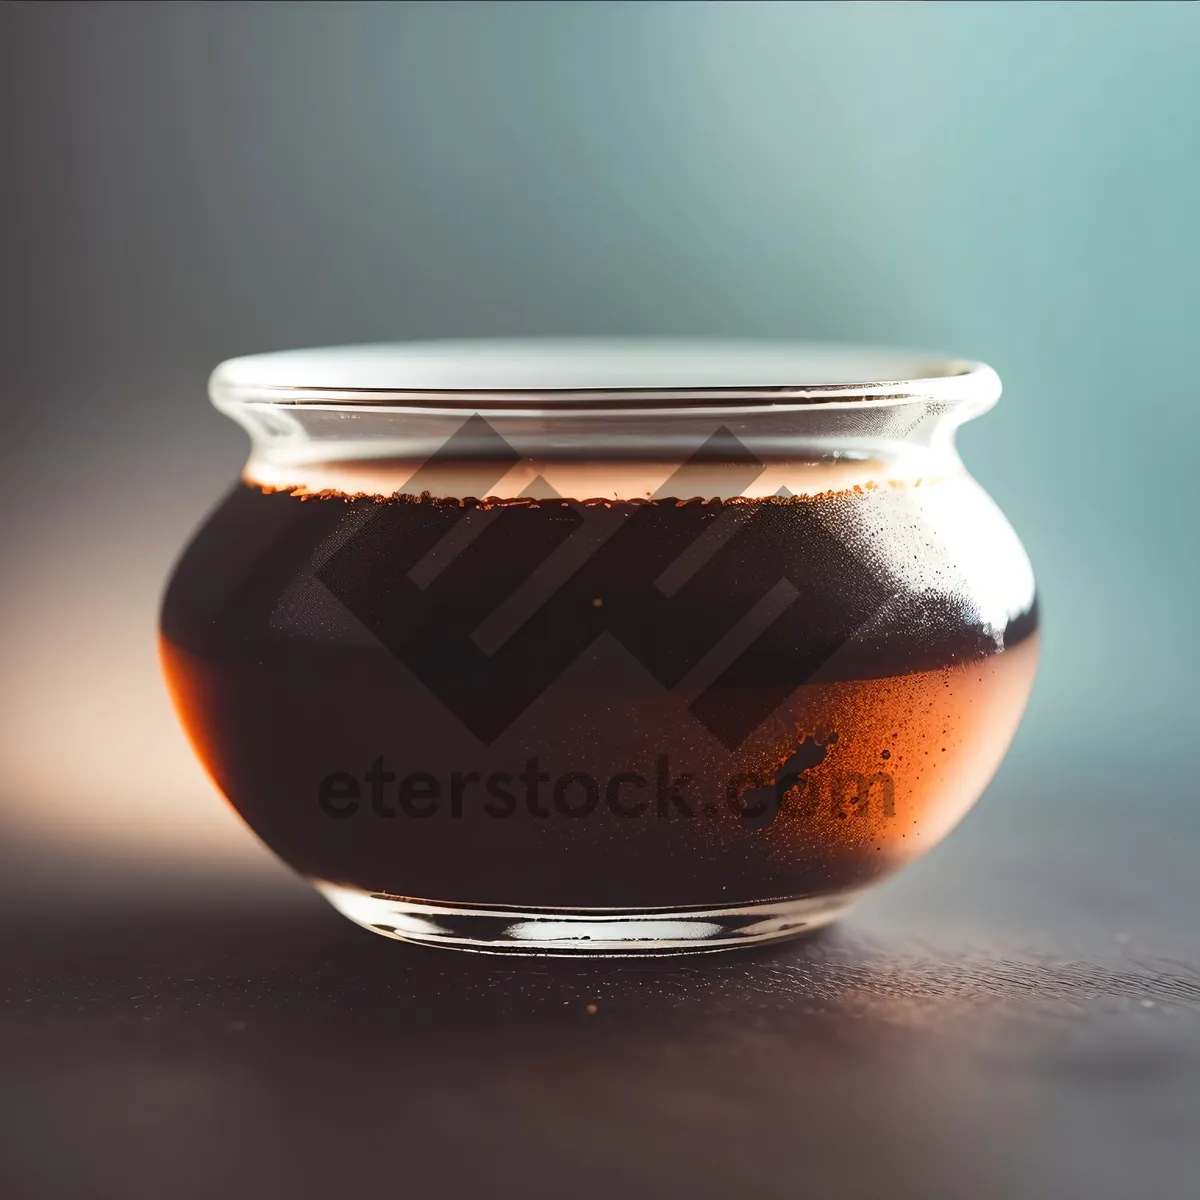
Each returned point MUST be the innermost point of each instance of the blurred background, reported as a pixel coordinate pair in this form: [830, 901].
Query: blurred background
[1017, 183]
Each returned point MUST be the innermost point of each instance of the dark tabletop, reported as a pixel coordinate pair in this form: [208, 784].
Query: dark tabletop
[1017, 1015]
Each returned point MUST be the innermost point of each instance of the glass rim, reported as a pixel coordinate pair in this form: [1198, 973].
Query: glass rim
[365, 378]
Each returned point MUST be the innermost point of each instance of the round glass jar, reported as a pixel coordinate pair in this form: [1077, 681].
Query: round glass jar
[601, 647]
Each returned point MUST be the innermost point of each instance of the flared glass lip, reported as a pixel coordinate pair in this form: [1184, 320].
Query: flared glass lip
[630, 377]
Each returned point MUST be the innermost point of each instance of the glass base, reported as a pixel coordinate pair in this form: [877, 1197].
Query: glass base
[584, 932]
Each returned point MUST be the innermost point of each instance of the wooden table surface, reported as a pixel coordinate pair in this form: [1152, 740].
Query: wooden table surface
[1017, 1015]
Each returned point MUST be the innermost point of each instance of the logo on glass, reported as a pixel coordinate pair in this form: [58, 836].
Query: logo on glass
[487, 605]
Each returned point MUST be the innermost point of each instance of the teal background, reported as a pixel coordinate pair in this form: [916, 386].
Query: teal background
[1015, 182]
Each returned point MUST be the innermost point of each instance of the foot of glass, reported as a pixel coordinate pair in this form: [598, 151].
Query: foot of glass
[584, 932]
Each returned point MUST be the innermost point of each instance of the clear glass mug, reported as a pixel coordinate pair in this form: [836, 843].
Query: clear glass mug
[601, 647]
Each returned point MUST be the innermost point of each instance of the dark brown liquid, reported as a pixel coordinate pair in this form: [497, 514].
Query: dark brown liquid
[467, 702]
